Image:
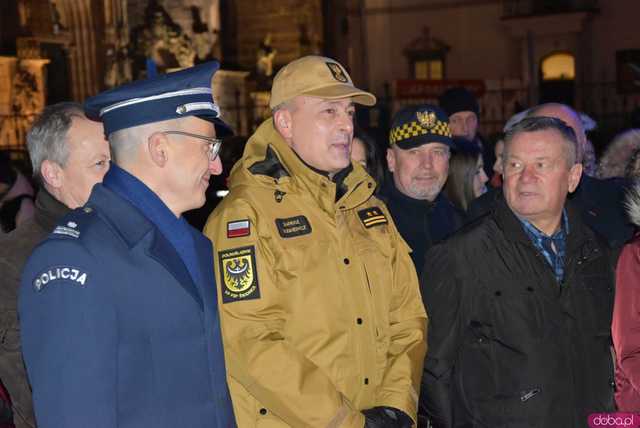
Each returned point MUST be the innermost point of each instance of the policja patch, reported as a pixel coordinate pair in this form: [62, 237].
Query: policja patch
[57, 273]
[372, 217]
[239, 275]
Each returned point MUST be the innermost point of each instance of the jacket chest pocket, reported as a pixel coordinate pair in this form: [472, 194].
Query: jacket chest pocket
[517, 312]
[309, 272]
[376, 262]
[297, 257]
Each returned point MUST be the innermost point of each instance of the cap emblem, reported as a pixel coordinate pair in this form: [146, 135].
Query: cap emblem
[427, 119]
[337, 72]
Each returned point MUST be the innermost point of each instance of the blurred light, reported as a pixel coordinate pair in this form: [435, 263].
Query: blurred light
[560, 66]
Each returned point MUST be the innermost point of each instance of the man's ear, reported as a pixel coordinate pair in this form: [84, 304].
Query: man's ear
[158, 146]
[391, 160]
[282, 120]
[575, 173]
[51, 173]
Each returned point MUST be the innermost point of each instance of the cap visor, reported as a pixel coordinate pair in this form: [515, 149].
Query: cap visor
[420, 140]
[339, 91]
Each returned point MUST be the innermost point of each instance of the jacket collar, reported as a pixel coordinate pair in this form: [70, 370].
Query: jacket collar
[49, 210]
[132, 227]
[124, 217]
[513, 229]
[270, 161]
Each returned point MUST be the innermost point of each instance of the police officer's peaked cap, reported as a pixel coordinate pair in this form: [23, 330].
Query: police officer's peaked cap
[414, 126]
[163, 97]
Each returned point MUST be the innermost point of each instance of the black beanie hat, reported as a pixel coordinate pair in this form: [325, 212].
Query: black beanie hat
[459, 99]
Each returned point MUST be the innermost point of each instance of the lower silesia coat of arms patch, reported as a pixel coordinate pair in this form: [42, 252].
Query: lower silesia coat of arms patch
[239, 274]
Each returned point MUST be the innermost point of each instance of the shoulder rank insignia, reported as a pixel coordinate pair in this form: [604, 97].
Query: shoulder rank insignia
[293, 226]
[70, 229]
[372, 216]
[236, 229]
[58, 273]
[239, 274]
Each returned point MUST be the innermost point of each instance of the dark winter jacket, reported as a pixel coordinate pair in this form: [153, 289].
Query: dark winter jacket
[421, 223]
[509, 346]
[15, 248]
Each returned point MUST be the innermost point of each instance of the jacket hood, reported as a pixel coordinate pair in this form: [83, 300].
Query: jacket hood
[633, 203]
[263, 158]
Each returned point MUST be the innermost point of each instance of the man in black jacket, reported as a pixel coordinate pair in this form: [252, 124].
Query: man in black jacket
[418, 159]
[520, 301]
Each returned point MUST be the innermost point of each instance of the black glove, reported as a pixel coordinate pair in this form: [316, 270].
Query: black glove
[386, 417]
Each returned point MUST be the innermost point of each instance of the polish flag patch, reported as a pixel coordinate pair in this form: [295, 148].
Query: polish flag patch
[236, 229]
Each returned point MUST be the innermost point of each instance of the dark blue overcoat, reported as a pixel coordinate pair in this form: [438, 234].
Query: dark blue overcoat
[115, 332]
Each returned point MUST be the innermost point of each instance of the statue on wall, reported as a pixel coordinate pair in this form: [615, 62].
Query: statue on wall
[24, 13]
[25, 103]
[265, 56]
[118, 61]
[25, 90]
[162, 40]
[204, 41]
[56, 19]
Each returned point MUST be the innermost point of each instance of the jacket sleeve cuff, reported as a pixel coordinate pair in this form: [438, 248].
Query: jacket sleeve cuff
[408, 404]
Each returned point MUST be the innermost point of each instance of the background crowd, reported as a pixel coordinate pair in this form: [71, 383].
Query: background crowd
[523, 246]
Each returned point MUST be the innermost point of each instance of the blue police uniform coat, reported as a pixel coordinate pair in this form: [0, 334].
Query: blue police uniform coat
[115, 331]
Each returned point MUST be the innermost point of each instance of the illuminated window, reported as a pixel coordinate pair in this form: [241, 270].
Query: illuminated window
[428, 69]
[560, 66]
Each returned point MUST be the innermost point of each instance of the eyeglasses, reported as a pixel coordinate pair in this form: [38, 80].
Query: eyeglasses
[214, 143]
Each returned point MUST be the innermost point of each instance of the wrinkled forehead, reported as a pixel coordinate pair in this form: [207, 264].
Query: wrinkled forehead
[536, 144]
[83, 129]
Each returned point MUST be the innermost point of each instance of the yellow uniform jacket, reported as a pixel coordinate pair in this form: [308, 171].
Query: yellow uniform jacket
[320, 306]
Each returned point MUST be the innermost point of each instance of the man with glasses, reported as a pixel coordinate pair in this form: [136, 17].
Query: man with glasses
[118, 309]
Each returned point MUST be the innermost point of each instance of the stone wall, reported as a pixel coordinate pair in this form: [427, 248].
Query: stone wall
[296, 28]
